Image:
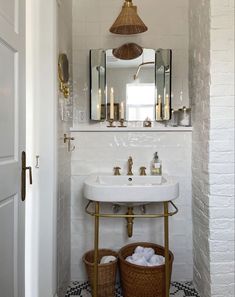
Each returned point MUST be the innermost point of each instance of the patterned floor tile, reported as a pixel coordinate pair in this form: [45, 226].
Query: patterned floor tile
[183, 289]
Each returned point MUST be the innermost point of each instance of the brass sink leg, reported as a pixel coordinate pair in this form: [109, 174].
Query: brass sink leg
[167, 260]
[130, 222]
[96, 250]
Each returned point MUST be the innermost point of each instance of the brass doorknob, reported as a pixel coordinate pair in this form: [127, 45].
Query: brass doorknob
[24, 168]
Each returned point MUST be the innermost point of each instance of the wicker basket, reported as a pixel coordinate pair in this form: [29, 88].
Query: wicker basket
[106, 272]
[139, 281]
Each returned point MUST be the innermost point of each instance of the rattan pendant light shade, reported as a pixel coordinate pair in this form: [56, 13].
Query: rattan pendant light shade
[128, 22]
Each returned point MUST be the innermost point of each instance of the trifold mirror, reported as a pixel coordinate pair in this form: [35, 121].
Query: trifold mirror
[132, 90]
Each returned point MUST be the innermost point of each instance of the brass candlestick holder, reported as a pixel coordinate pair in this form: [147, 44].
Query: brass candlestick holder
[122, 122]
[111, 123]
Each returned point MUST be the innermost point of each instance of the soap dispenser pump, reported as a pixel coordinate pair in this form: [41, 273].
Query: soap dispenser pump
[156, 167]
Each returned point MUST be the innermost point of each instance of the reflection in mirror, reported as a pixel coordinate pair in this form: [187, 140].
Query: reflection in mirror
[98, 85]
[163, 84]
[130, 89]
[133, 82]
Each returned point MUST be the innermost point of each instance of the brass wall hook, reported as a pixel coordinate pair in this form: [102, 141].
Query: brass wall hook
[68, 139]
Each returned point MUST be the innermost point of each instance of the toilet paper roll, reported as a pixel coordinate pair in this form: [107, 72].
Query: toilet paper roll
[107, 259]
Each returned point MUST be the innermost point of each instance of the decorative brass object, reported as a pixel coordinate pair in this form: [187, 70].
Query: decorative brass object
[122, 124]
[111, 123]
[68, 140]
[97, 215]
[117, 171]
[143, 171]
[128, 22]
[129, 166]
[63, 72]
[23, 176]
[128, 51]
[130, 222]
[147, 123]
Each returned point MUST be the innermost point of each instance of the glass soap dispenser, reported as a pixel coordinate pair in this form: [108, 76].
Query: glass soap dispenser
[156, 166]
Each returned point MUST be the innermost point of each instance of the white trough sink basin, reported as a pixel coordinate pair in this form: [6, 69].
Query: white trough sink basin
[130, 189]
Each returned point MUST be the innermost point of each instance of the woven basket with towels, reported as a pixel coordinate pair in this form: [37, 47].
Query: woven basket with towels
[142, 281]
[106, 272]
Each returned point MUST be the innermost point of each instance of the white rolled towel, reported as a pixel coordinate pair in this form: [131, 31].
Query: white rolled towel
[156, 260]
[141, 262]
[107, 259]
[137, 259]
[139, 250]
[148, 253]
[145, 257]
[129, 259]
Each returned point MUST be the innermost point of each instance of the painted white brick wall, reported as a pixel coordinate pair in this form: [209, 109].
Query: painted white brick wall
[64, 160]
[212, 93]
[221, 156]
[100, 152]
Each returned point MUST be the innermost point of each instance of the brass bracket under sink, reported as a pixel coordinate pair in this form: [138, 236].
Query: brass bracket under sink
[130, 222]
[130, 216]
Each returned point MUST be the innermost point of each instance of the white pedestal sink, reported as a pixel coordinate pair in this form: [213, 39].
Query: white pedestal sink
[130, 189]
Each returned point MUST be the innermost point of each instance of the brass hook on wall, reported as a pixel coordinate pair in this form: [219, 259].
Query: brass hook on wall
[68, 140]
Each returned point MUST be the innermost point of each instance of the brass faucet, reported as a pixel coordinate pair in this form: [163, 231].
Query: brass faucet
[130, 164]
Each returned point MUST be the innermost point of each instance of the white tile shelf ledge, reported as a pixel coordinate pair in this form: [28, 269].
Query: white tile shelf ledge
[131, 128]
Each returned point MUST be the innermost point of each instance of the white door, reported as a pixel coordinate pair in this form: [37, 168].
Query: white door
[12, 143]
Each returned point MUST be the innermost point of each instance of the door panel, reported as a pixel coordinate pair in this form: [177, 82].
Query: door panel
[8, 9]
[7, 101]
[7, 258]
[8, 179]
[12, 142]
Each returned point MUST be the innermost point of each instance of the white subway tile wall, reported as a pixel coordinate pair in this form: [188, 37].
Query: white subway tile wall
[212, 94]
[100, 152]
[168, 28]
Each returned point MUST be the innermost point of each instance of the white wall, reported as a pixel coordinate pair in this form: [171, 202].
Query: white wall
[64, 21]
[100, 152]
[212, 94]
[42, 86]
[168, 28]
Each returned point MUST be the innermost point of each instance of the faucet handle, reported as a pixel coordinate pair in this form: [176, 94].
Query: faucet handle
[117, 170]
[142, 170]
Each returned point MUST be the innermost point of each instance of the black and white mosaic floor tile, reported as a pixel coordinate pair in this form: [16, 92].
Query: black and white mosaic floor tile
[183, 289]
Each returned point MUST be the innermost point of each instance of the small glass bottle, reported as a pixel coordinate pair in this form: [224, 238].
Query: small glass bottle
[156, 166]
